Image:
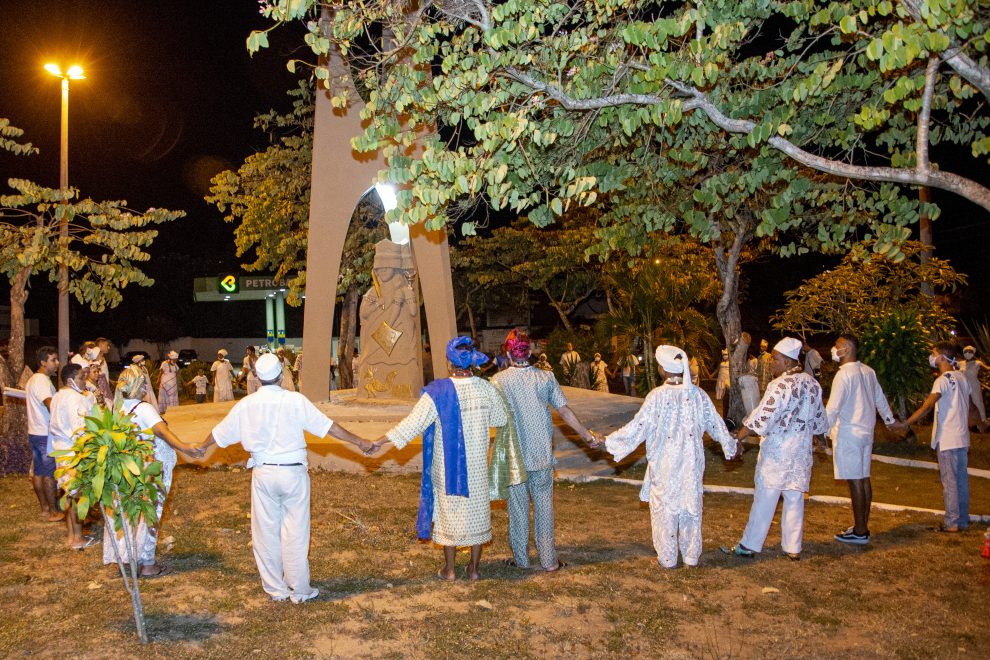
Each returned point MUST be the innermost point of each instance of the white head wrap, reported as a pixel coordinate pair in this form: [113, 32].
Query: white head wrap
[268, 367]
[969, 349]
[137, 359]
[668, 356]
[789, 346]
[222, 352]
[172, 355]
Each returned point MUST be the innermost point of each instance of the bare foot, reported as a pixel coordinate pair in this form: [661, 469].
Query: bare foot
[472, 573]
[446, 576]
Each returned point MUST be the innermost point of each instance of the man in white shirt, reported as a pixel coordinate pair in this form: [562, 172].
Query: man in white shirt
[39, 392]
[950, 433]
[270, 424]
[69, 407]
[852, 409]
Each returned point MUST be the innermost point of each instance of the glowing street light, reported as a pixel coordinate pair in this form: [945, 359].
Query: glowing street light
[74, 72]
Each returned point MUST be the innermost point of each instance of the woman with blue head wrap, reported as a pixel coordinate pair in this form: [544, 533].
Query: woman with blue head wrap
[454, 416]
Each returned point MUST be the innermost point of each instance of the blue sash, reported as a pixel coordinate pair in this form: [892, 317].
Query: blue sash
[444, 396]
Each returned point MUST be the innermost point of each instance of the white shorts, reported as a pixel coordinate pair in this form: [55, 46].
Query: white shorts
[851, 458]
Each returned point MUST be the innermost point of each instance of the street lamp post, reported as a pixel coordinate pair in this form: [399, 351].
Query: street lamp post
[73, 73]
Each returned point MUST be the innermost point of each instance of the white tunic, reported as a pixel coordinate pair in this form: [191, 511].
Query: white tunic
[222, 389]
[672, 422]
[787, 417]
[69, 406]
[854, 402]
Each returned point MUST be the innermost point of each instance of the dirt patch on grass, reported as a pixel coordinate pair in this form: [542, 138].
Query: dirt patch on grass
[378, 597]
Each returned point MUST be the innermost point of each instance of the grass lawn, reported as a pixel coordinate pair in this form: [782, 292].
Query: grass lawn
[912, 593]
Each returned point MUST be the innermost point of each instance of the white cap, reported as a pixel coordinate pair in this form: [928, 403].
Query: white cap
[667, 357]
[268, 367]
[789, 346]
[172, 355]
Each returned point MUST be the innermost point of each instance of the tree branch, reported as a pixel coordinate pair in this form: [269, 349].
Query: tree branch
[924, 117]
[976, 75]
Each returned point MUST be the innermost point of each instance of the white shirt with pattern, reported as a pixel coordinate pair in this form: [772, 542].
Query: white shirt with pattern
[459, 521]
[787, 417]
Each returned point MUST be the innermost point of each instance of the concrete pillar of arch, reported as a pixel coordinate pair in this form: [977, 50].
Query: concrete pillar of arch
[340, 177]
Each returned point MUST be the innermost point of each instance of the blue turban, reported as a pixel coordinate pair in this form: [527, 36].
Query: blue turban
[462, 354]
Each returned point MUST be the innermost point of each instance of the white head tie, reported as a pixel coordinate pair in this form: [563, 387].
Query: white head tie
[671, 358]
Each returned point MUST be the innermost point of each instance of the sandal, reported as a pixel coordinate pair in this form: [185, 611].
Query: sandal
[89, 542]
[738, 551]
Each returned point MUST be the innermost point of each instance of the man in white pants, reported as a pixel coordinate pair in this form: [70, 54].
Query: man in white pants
[852, 409]
[788, 415]
[270, 424]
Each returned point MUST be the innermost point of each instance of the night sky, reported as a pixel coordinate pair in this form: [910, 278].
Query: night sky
[168, 102]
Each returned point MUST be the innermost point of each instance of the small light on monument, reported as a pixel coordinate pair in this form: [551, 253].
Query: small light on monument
[386, 193]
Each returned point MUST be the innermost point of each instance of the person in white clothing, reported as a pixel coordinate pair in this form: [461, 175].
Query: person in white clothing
[131, 386]
[222, 373]
[672, 422]
[970, 368]
[202, 383]
[68, 408]
[852, 409]
[812, 361]
[39, 391]
[950, 398]
[149, 395]
[722, 382]
[270, 424]
[787, 417]
[248, 372]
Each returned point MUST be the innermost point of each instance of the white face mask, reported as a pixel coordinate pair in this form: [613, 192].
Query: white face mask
[835, 355]
[968, 356]
[933, 361]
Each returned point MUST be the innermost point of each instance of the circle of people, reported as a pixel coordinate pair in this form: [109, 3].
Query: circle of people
[464, 470]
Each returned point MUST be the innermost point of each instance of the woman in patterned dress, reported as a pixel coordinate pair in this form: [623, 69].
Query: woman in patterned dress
[132, 386]
[168, 383]
[454, 416]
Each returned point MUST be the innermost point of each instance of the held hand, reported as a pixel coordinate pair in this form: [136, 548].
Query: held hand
[597, 440]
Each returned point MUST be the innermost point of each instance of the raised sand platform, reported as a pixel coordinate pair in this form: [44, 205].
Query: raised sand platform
[371, 418]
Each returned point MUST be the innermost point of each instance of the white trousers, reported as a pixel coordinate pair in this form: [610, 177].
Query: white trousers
[761, 516]
[672, 529]
[280, 530]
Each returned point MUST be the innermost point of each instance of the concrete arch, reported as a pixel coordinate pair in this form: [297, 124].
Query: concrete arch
[340, 177]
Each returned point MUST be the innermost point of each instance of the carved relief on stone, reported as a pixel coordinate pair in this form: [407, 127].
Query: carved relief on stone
[391, 336]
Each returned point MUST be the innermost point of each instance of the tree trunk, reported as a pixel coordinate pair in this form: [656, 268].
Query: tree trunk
[15, 349]
[348, 331]
[560, 312]
[729, 317]
[648, 358]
